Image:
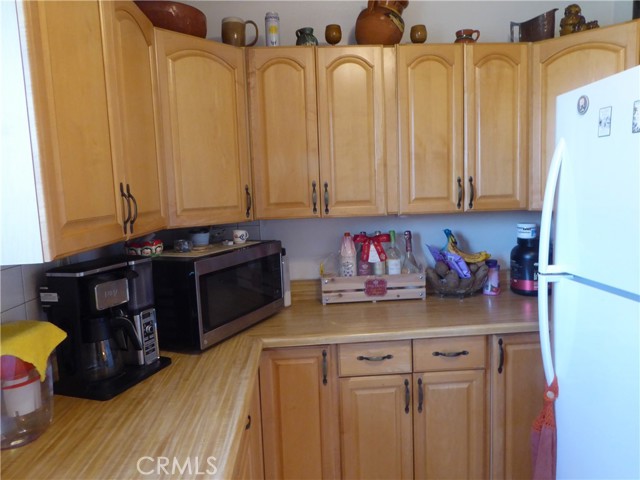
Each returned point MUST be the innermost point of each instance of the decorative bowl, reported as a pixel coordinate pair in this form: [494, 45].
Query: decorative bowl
[175, 16]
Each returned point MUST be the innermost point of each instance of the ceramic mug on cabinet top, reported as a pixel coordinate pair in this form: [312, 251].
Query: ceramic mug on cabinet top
[240, 236]
[233, 31]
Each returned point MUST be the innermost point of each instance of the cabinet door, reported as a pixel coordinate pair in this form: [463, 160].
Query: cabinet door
[430, 103]
[299, 413]
[133, 95]
[563, 64]
[496, 126]
[375, 427]
[351, 130]
[284, 132]
[449, 425]
[202, 85]
[74, 171]
[517, 385]
[249, 465]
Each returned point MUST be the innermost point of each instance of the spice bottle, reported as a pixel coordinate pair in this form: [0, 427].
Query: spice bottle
[492, 285]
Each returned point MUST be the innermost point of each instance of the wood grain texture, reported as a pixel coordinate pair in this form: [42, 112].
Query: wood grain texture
[197, 407]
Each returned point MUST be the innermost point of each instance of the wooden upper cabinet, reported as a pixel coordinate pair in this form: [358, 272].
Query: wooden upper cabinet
[202, 85]
[563, 64]
[431, 146]
[284, 131]
[496, 126]
[351, 126]
[80, 207]
[133, 95]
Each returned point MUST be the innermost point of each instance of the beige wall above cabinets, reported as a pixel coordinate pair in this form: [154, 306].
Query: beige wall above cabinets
[566, 63]
[317, 119]
[463, 118]
[90, 76]
[203, 93]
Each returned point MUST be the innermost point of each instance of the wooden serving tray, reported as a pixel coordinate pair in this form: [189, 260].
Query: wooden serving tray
[372, 288]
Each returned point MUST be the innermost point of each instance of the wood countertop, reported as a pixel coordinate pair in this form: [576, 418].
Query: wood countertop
[196, 408]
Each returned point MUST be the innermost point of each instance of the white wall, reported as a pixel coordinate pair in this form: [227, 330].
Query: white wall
[308, 242]
[442, 18]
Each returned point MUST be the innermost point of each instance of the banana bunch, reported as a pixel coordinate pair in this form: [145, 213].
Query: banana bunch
[452, 246]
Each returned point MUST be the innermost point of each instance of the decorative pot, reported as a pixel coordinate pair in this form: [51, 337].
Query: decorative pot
[381, 23]
[305, 36]
[175, 16]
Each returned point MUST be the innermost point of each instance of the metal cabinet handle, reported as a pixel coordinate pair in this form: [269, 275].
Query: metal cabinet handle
[450, 354]
[125, 198]
[325, 367]
[314, 197]
[501, 362]
[407, 396]
[326, 197]
[459, 204]
[248, 195]
[420, 395]
[135, 209]
[473, 192]
[375, 359]
[248, 425]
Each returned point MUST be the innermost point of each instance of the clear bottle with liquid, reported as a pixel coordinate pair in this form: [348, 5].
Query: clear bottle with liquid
[378, 264]
[394, 257]
[410, 264]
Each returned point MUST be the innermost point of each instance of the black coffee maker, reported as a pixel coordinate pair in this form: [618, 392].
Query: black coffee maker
[105, 306]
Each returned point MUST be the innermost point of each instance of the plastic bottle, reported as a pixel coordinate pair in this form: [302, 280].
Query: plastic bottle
[492, 285]
[394, 257]
[410, 265]
[347, 256]
[524, 261]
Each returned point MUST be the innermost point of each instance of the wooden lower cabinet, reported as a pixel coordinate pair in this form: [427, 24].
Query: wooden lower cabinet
[449, 425]
[424, 409]
[298, 388]
[517, 386]
[250, 462]
[376, 427]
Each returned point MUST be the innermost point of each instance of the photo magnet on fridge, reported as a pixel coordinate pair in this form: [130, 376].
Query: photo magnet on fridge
[604, 122]
[635, 122]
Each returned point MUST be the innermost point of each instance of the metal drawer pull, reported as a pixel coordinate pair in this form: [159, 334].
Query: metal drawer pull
[420, 395]
[248, 425]
[407, 396]
[501, 363]
[375, 359]
[450, 354]
[314, 197]
[459, 204]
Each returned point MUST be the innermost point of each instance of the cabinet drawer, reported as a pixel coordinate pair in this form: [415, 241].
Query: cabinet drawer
[374, 358]
[450, 353]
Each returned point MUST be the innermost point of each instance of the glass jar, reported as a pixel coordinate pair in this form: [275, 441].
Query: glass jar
[27, 402]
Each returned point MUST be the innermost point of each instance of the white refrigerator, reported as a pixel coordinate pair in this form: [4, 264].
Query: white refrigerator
[591, 214]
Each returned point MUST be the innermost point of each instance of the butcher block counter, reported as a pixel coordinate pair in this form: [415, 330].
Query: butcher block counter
[195, 410]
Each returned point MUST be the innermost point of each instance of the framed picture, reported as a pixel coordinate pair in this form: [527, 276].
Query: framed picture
[604, 122]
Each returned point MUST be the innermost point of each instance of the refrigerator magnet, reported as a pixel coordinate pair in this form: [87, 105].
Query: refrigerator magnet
[604, 122]
[583, 104]
[635, 122]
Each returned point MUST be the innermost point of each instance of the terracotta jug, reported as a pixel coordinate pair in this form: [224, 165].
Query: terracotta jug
[381, 23]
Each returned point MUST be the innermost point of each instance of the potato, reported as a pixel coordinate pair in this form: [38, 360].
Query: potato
[433, 277]
[473, 267]
[452, 280]
[480, 276]
[441, 268]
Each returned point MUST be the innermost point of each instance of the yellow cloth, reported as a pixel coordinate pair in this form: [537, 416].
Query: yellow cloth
[31, 341]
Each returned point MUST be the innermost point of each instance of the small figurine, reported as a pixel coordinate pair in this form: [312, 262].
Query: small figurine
[573, 21]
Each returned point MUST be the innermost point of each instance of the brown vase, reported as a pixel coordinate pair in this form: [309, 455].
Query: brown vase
[381, 23]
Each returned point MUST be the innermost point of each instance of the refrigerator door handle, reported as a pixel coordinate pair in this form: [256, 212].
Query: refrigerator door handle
[543, 325]
[547, 210]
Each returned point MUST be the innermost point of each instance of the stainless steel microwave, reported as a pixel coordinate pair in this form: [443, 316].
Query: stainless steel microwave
[205, 296]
